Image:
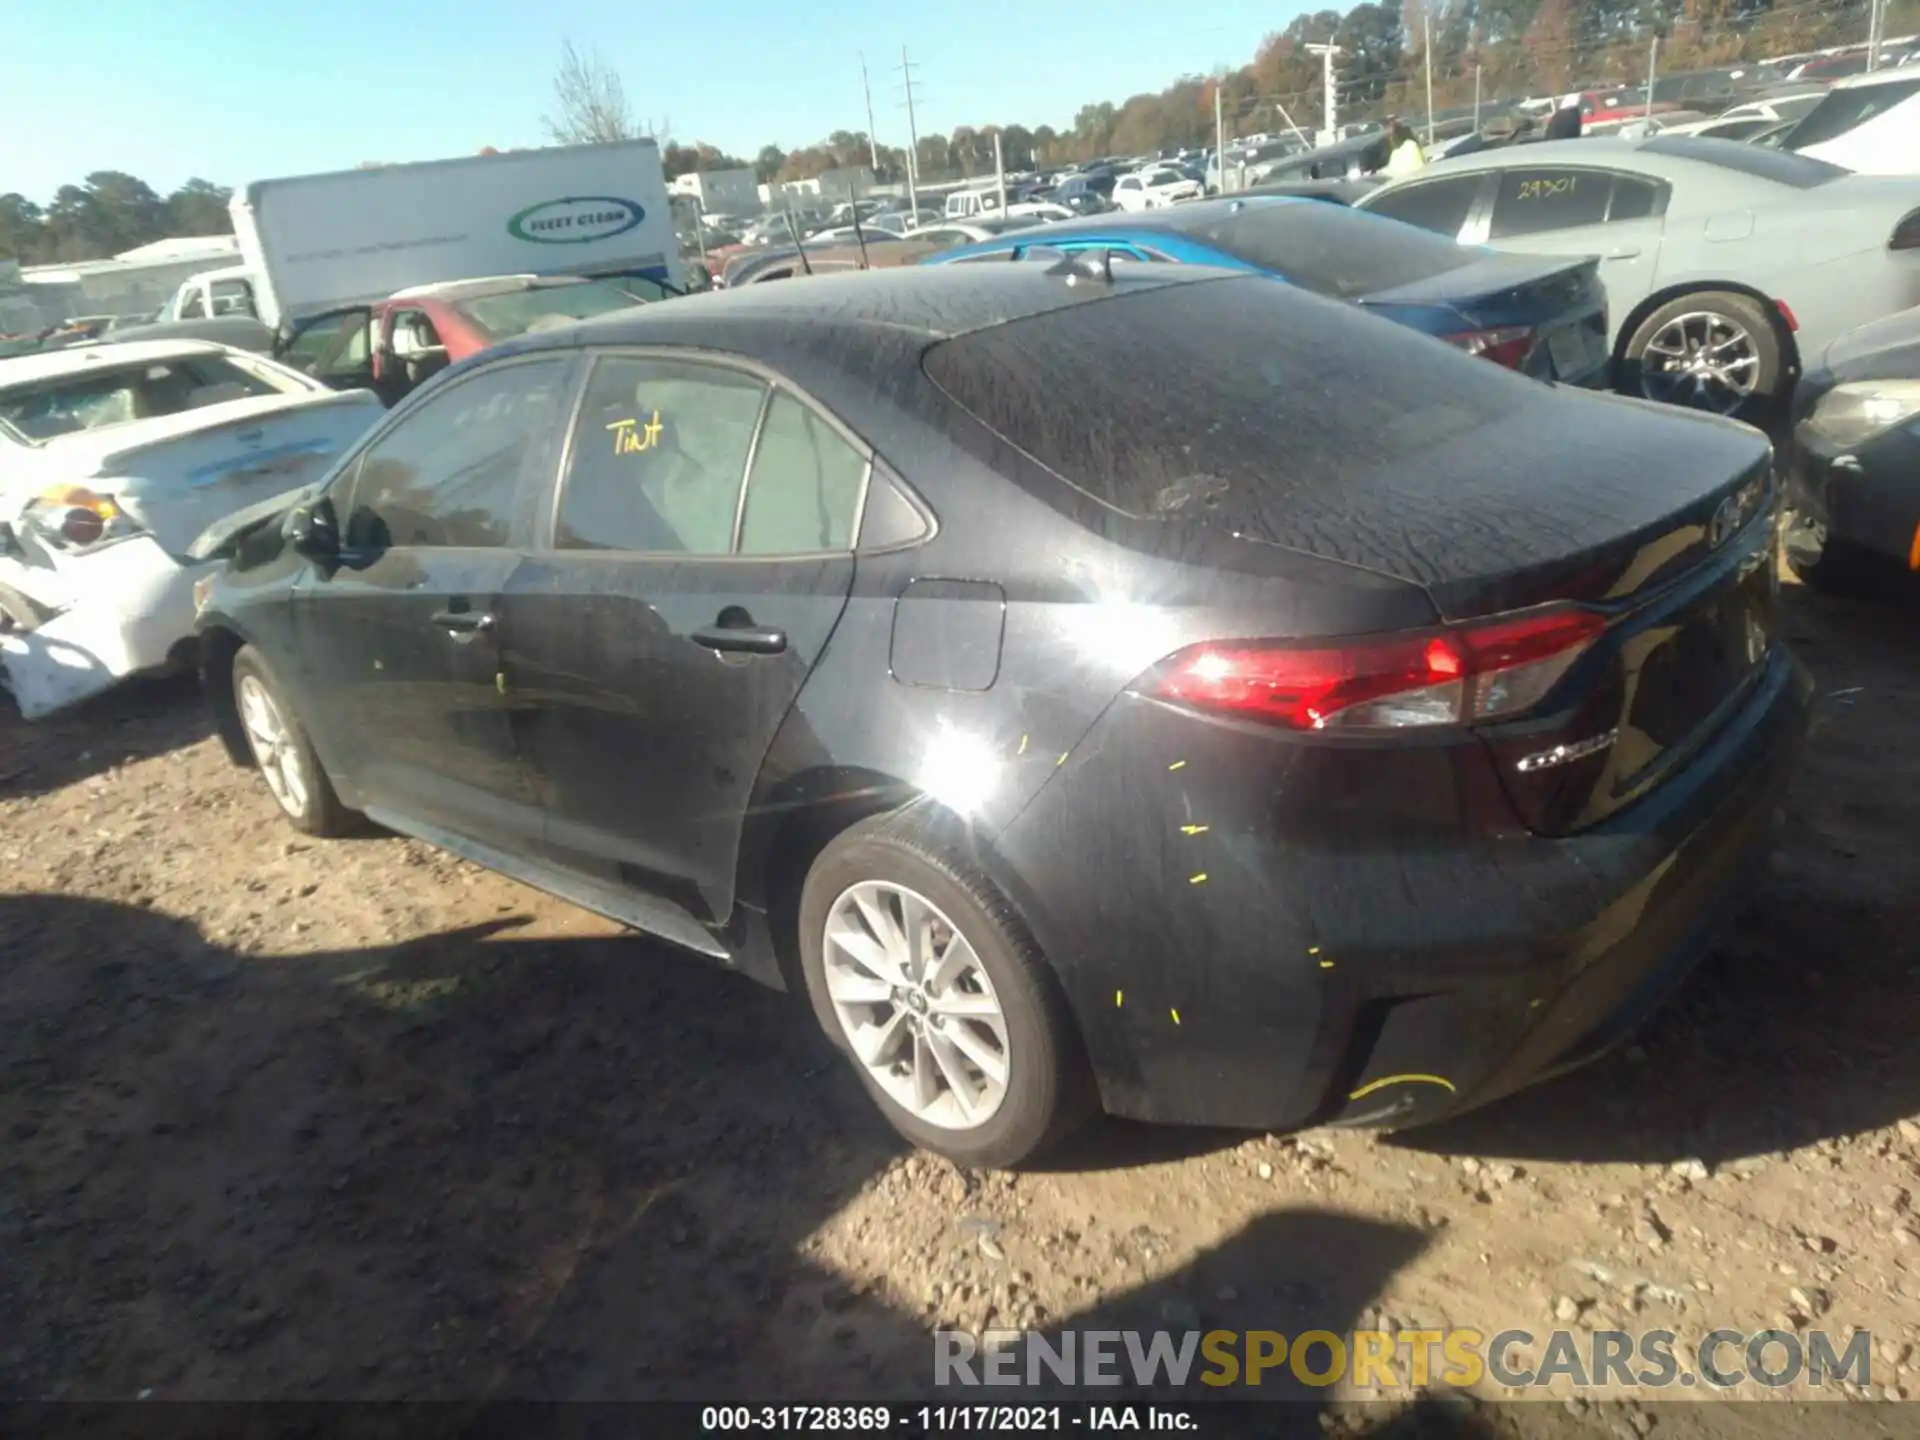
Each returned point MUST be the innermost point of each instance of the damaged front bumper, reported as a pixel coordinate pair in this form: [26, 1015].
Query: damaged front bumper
[118, 610]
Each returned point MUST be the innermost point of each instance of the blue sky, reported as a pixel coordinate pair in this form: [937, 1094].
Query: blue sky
[239, 90]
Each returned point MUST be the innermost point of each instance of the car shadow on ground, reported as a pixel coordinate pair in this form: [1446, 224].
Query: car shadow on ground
[473, 1167]
[138, 720]
[1799, 1025]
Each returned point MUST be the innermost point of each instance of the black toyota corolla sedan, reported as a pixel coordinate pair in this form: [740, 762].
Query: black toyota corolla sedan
[1153, 689]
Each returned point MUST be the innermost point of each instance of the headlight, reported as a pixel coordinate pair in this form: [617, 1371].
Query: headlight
[1850, 415]
[75, 518]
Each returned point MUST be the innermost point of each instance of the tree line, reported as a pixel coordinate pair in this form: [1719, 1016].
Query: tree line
[1500, 48]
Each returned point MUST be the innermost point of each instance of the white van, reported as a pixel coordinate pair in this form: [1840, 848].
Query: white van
[972, 204]
[1867, 123]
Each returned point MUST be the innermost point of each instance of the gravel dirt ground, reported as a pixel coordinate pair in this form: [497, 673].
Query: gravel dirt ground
[309, 1120]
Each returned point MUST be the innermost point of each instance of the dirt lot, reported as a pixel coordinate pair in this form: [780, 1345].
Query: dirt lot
[322, 1120]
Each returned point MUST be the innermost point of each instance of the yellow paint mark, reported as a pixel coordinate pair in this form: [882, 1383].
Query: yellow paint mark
[1199, 879]
[1061, 761]
[1193, 829]
[1913, 550]
[1385, 1080]
[630, 437]
[1023, 745]
[1313, 949]
[1178, 765]
[1326, 964]
[1119, 998]
[1535, 1004]
[500, 681]
[1176, 1016]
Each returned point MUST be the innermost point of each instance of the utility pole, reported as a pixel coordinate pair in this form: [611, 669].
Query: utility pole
[1653, 71]
[873, 141]
[1426, 44]
[1326, 54]
[1476, 99]
[1219, 136]
[913, 139]
[1876, 31]
[1000, 172]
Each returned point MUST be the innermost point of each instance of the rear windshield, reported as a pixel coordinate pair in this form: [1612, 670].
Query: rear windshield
[1219, 394]
[1843, 110]
[1802, 172]
[119, 395]
[544, 307]
[1329, 249]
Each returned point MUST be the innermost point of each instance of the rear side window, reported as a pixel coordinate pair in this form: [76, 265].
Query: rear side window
[105, 396]
[1218, 397]
[1633, 199]
[804, 489]
[1535, 200]
[657, 458]
[1437, 205]
[1844, 110]
[1330, 249]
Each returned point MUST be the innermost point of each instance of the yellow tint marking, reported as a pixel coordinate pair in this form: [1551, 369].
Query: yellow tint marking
[630, 437]
[1385, 1080]
[1199, 879]
[1193, 829]
[1178, 765]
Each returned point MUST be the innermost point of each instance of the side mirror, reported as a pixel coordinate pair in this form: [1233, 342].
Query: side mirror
[312, 531]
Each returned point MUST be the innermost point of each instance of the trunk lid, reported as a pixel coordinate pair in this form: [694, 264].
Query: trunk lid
[1561, 304]
[179, 475]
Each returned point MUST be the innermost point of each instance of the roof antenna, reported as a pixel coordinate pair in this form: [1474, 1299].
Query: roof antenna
[798, 244]
[854, 205]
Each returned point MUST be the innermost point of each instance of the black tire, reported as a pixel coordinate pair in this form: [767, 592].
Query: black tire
[319, 811]
[1769, 380]
[1049, 1092]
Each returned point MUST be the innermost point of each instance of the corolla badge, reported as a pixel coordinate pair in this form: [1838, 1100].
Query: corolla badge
[576, 220]
[1567, 754]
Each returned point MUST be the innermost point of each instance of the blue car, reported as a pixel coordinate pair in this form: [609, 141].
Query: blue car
[1543, 316]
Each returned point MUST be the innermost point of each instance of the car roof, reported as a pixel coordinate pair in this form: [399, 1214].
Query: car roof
[1663, 157]
[482, 285]
[52, 364]
[1878, 77]
[1177, 219]
[935, 301]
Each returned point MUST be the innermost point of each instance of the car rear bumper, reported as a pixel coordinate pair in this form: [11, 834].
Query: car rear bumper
[1275, 958]
[120, 610]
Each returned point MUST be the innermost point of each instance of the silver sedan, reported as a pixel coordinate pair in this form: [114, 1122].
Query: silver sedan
[1724, 263]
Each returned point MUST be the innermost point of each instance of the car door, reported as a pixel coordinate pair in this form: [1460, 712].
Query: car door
[335, 347]
[401, 639]
[659, 632]
[1578, 210]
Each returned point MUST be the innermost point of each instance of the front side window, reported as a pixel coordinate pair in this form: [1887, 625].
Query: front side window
[1533, 201]
[232, 297]
[1437, 205]
[804, 488]
[1633, 199]
[446, 473]
[658, 455]
[333, 344]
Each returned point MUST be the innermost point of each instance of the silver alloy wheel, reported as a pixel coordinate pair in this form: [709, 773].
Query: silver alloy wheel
[273, 750]
[1704, 359]
[916, 1005]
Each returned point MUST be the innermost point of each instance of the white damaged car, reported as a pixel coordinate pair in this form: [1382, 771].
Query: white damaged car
[114, 459]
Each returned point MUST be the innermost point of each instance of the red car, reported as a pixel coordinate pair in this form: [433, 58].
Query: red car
[393, 345]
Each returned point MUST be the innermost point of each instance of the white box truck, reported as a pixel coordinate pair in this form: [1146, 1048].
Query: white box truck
[316, 242]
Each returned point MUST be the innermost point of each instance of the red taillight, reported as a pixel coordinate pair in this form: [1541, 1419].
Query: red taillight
[1786, 314]
[1506, 345]
[1459, 674]
[1906, 235]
